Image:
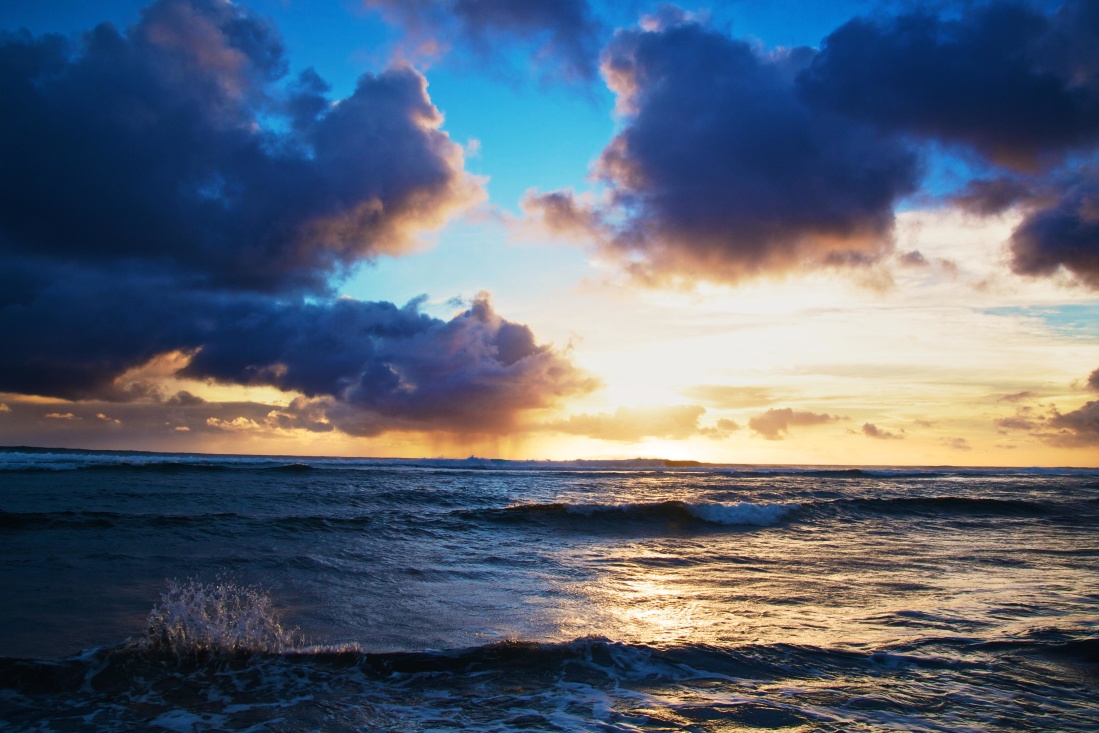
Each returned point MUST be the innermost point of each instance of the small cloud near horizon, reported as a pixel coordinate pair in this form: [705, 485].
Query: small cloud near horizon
[775, 424]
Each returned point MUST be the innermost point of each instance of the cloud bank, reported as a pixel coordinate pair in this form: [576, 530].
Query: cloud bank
[734, 161]
[722, 172]
[164, 190]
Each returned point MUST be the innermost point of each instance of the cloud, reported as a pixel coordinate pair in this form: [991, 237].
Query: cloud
[183, 398]
[733, 161]
[237, 424]
[913, 258]
[377, 365]
[1015, 423]
[721, 172]
[960, 444]
[987, 197]
[61, 416]
[775, 423]
[631, 424]
[564, 33]
[725, 426]
[173, 147]
[1016, 85]
[870, 430]
[1077, 428]
[1064, 234]
[4, 407]
[728, 398]
[1018, 396]
[140, 425]
[169, 207]
[1074, 429]
[1010, 82]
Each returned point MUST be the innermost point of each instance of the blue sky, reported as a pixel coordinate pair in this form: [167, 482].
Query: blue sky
[640, 229]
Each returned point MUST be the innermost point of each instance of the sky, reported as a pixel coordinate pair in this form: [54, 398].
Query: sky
[784, 232]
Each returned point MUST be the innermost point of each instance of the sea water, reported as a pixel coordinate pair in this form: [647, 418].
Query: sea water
[194, 592]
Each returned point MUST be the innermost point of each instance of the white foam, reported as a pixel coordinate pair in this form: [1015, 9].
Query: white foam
[757, 515]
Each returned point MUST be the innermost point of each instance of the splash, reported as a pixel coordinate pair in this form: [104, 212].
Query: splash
[216, 619]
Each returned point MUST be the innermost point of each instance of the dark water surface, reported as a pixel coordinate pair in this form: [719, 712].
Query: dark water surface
[489, 595]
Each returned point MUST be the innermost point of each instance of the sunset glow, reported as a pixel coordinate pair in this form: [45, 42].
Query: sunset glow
[688, 232]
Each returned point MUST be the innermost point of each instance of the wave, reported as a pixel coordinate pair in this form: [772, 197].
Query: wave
[246, 636]
[940, 505]
[619, 515]
[214, 656]
[742, 513]
[67, 520]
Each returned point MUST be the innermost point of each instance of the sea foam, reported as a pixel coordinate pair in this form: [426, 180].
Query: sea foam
[741, 513]
[758, 515]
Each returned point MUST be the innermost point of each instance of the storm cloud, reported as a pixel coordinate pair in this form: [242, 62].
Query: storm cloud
[173, 147]
[1064, 234]
[1008, 81]
[1004, 79]
[564, 33]
[735, 161]
[722, 172]
[166, 195]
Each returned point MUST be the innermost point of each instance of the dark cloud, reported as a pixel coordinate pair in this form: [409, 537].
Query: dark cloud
[721, 172]
[1015, 423]
[1064, 234]
[1078, 428]
[183, 398]
[378, 366]
[913, 258]
[987, 197]
[870, 430]
[776, 423]
[565, 34]
[391, 367]
[1015, 84]
[1075, 429]
[168, 208]
[171, 147]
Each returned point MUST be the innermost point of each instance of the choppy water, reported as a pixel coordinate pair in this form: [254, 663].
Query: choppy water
[488, 595]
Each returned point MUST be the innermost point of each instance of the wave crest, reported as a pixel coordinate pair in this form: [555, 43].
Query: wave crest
[741, 513]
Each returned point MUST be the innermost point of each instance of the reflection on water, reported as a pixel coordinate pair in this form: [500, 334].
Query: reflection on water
[718, 599]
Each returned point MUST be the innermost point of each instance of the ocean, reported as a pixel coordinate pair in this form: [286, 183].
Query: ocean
[197, 592]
